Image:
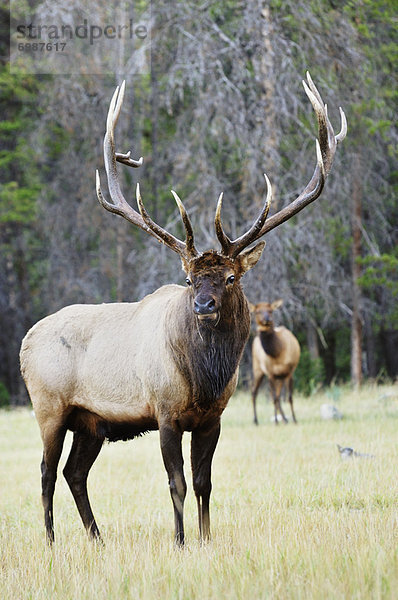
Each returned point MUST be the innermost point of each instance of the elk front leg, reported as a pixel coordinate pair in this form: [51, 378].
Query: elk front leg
[170, 444]
[256, 384]
[204, 442]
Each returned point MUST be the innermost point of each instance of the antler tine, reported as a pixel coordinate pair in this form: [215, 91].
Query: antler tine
[233, 248]
[126, 160]
[325, 130]
[313, 88]
[115, 107]
[119, 205]
[343, 130]
[189, 241]
[186, 250]
[255, 229]
[221, 235]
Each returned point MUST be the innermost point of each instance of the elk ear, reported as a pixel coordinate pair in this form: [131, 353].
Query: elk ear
[277, 304]
[250, 257]
[252, 307]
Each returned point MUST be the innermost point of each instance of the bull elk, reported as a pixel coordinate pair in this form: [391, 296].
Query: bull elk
[275, 353]
[167, 363]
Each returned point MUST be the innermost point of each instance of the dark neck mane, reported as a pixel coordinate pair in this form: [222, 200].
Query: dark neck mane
[270, 342]
[208, 355]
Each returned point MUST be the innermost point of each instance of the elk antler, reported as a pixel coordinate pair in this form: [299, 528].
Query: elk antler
[233, 248]
[119, 205]
[325, 151]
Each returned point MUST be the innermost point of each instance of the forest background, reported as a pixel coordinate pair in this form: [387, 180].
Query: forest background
[221, 103]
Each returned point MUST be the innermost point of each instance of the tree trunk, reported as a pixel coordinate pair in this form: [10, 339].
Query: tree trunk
[312, 341]
[154, 126]
[16, 321]
[389, 344]
[268, 78]
[356, 321]
[266, 136]
[369, 339]
[328, 355]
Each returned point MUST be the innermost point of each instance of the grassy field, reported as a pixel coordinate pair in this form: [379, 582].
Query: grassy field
[290, 518]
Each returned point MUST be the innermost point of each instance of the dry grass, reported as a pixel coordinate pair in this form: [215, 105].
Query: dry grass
[290, 519]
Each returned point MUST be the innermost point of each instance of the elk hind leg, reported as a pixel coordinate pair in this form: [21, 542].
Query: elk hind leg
[84, 451]
[290, 388]
[203, 445]
[53, 440]
[255, 387]
[170, 445]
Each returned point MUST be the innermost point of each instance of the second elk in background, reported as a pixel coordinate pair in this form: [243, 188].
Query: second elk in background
[275, 353]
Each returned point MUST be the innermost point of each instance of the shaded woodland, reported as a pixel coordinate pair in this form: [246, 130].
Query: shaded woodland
[221, 103]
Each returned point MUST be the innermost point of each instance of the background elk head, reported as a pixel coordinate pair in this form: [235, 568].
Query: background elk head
[263, 314]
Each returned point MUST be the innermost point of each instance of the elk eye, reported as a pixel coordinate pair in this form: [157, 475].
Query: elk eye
[188, 281]
[231, 279]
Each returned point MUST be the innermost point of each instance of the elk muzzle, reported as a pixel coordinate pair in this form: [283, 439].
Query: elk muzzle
[264, 320]
[205, 307]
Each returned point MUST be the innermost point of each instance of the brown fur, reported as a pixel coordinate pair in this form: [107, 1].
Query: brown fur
[210, 359]
[83, 421]
[275, 353]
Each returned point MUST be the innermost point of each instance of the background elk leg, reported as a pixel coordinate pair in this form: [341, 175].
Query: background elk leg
[170, 444]
[255, 386]
[84, 451]
[203, 445]
[276, 388]
[290, 389]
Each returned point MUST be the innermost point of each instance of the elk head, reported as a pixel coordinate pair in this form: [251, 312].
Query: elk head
[211, 275]
[263, 314]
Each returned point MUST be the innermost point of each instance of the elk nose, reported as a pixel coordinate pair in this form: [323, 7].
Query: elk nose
[204, 306]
